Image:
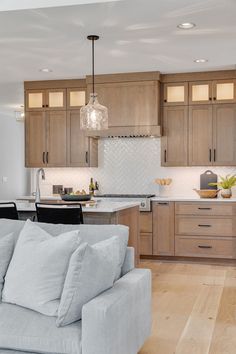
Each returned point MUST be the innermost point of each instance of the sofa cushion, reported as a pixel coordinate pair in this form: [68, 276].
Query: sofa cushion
[6, 251]
[29, 331]
[92, 270]
[38, 268]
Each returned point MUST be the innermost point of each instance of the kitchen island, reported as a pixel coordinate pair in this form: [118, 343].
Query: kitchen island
[102, 212]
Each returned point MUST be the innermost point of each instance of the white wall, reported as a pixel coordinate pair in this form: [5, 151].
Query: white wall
[129, 166]
[12, 156]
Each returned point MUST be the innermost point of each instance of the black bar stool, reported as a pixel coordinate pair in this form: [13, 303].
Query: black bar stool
[8, 211]
[62, 213]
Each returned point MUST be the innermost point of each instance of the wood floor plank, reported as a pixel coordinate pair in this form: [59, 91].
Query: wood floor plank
[186, 301]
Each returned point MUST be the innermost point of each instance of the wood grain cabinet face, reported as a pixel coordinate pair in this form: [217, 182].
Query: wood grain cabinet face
[35, 100]
[56, 99]
[224, 135]
[224, 91]
[130, 104]
[56, 139]
[76, 98]
[81, 150]
[200, 135]
[40, 100]
[175, 94]
[200, 92]
[163, 229]
[145, 233]
[174, 142]
[35, 139]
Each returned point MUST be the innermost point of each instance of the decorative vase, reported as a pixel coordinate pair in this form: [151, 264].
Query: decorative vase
[226, 193]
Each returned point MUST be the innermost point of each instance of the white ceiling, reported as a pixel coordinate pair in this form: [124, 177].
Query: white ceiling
[136, 35]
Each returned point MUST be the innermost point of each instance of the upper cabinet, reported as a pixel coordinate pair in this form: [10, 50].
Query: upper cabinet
[212, 92]
[175, 94]
[133, 102]
[76, 98]
[40, 100]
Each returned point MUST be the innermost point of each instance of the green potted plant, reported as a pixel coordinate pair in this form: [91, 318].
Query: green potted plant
[226, 183]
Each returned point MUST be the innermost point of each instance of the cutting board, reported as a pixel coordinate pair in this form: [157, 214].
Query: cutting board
[208, 177]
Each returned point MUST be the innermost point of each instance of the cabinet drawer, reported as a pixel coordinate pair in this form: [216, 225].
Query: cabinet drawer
[145, 244]
[204, 226]
[211, 247]
[145, 221]
[204, 208]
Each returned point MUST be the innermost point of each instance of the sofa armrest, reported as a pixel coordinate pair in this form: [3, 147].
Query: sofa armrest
[118, 321]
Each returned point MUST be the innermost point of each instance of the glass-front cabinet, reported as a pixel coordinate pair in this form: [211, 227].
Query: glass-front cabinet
[175, 94]
[39, 100]
[207, 92]
[76, 98]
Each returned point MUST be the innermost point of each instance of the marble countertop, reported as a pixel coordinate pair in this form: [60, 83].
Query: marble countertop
[99, 207]
[192, 199]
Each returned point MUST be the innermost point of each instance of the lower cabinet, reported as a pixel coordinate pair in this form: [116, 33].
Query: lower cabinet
[163, 229]
[145, 226]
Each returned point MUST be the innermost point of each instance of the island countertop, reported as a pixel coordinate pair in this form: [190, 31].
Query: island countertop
[98, 207]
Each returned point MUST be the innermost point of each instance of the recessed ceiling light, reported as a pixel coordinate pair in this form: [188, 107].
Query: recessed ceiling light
[200, 61]
[186, 25]
[45, 70]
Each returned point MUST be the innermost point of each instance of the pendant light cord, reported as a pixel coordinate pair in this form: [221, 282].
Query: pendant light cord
[93, 69]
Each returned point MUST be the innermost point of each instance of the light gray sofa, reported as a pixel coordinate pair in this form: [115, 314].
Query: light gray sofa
[117, 321]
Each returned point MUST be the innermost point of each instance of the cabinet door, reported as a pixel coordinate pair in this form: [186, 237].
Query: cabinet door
[200, 136]
[163, 229]
[129, 104]
[56, 139]
[35, 139]
[224, 91]
[224, 135]
[35, 100]
[175, 94]
[56, 99]
[174, 143]
[200, 92]
[81, 150]
[76, 98]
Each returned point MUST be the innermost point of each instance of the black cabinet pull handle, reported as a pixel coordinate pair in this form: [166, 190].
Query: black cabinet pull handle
[162, 203]
[47, 105]
[43, 106]
[214, 153]
[86, 157]
[214, 98]
[201, 246]
[47, 154]
[204, 225]
[44, 157]
[210, 155]
[165, 156]
[210, 98]
[165, 100]
[204, 208]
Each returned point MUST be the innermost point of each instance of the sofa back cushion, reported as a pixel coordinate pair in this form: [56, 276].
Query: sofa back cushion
[92, 270]
[38, 268]
[6, 251]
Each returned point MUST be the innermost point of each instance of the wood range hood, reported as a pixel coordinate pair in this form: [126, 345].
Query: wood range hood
[133, 102]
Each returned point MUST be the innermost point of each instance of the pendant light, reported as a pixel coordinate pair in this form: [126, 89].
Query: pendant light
[93, 116]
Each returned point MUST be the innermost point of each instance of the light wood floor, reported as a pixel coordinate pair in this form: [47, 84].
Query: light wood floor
[194, 309]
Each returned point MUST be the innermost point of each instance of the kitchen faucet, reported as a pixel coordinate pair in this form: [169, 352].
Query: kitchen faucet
[37, 194]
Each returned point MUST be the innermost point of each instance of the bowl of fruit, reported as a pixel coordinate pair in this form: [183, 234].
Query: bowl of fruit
[78, 196]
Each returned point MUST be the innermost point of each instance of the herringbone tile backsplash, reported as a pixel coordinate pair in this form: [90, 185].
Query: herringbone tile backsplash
[128, 165]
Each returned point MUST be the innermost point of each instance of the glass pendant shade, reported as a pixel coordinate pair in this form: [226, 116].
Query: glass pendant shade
[93, 116]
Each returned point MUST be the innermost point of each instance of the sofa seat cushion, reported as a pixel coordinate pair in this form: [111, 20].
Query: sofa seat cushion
[29, 331]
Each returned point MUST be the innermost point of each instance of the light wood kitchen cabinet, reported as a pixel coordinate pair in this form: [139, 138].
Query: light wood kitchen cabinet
[163, 229]
[81, 150]
[76, 98]
[47, 99]
[56, 139]
[46, 139]
[174, 142]
[35, 139]
[145, 233]
[200, 92]
[175, 94]
[200, 135]
[224, 135]
[224, 91]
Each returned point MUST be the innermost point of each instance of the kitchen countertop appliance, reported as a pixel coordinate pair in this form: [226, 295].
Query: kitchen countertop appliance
[144, 200]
